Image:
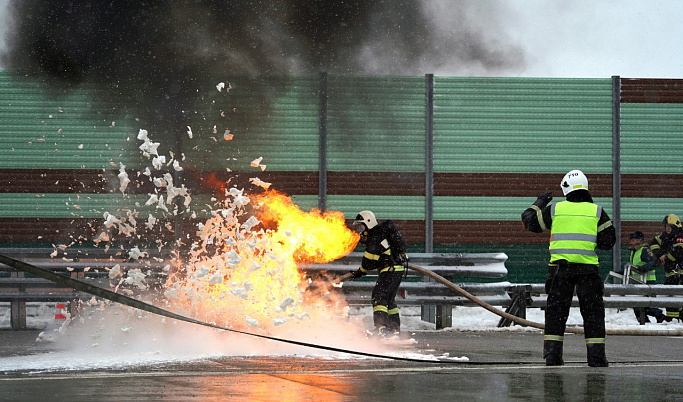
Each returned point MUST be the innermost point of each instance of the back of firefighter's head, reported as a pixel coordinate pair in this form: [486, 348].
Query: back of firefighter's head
[365, 220]
[671, 223]
[574, 180]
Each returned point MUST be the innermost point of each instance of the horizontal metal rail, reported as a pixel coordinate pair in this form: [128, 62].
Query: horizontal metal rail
[472, 265]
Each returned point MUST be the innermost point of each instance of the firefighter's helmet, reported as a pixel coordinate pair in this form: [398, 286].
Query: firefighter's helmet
[671, 219]
[367, 218]
[574, 180]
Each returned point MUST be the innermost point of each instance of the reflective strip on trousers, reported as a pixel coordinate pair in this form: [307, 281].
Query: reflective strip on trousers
[380, 309]
[595, 341]
[555, 338]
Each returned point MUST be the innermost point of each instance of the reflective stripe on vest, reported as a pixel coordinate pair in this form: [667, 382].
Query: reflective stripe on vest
[574, 232]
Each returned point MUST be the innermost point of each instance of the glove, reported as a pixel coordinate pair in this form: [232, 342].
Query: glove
[356, 273]
[402, 259]
[546, 197]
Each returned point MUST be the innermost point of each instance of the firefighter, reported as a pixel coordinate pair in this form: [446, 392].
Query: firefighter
[642, 262]
[385, 251]
[577, 227]
[667, 248]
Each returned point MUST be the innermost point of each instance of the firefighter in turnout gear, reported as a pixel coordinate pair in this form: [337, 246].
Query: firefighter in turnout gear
[385, 251]
[577, 228]
[667, 248]
[642, 263]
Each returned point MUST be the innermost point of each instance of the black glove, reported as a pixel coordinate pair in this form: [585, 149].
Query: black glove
[546, 197]
[356, 273]
[402, 259]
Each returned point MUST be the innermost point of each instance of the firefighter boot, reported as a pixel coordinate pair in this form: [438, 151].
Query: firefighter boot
[552, 353]
[661, 317]
[596, 355]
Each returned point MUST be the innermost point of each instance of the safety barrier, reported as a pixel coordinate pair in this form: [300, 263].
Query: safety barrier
[414, 290]
[18, 290]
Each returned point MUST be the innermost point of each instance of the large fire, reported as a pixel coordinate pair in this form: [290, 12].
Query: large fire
[243, 271]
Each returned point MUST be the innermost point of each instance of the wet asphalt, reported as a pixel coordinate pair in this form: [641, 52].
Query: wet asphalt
[501, 366]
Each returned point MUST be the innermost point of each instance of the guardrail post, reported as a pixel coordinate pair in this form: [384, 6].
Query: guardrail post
[444, 316]
[18, 309]
[440, 315]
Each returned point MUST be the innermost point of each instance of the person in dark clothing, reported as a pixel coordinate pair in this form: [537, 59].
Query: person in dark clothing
[577, 226]
[642, 265]
[385, 251]
[667, 248]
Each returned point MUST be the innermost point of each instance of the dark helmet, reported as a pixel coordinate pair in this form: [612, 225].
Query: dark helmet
[636, 235]
[671, 219]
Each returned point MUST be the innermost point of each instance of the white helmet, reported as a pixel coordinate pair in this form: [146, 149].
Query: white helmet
[367, 218]
[574, 180]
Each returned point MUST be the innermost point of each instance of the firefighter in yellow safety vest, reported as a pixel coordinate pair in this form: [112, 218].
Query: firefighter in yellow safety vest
[642, 263]
[577, 228]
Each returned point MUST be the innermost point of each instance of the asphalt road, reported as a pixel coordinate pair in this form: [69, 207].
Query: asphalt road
[502, 366]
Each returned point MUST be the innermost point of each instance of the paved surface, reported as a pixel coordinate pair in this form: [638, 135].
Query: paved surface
[502, 366]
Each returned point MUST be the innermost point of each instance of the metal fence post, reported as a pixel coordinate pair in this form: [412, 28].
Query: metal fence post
[322, 141]
[616, 170]
[431, 313]
[429, 163]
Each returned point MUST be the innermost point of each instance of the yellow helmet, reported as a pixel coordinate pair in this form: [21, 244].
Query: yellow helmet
[671, 219]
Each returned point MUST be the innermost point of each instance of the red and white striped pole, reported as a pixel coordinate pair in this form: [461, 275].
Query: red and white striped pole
[59, 313]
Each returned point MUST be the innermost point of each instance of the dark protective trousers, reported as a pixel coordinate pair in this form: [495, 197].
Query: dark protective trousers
[672, 277]
[384, 307]
[560, 285]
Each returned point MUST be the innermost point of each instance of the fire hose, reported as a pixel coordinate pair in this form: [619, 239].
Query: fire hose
[97, 291]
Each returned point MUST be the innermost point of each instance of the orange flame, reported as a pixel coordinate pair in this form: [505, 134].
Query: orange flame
[240, 273]
[311, 236]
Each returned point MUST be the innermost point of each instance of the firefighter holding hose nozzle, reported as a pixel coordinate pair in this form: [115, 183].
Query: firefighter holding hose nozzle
[577, 228]
[385, 251]
[667, 248]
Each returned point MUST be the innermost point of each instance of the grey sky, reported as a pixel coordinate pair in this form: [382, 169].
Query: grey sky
[579, 38]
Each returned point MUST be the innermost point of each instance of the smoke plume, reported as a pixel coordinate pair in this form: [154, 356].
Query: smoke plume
[153, 56]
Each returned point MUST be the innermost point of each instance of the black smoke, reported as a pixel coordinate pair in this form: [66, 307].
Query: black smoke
[153, 56]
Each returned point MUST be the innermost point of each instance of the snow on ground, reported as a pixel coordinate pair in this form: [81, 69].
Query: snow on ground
[128, 339]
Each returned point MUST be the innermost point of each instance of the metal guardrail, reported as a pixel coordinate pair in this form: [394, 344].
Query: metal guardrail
[74, 262]
[468, 265]
[515, 297]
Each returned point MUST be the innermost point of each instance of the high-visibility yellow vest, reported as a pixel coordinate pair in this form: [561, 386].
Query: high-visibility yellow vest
[574, 232]
[635, 259]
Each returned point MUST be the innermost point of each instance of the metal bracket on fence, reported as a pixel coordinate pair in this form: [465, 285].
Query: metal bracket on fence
[521, 299]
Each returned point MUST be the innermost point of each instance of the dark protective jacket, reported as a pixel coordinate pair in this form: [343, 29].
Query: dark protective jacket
[670, 245]
[537, 219]
[384, 243]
